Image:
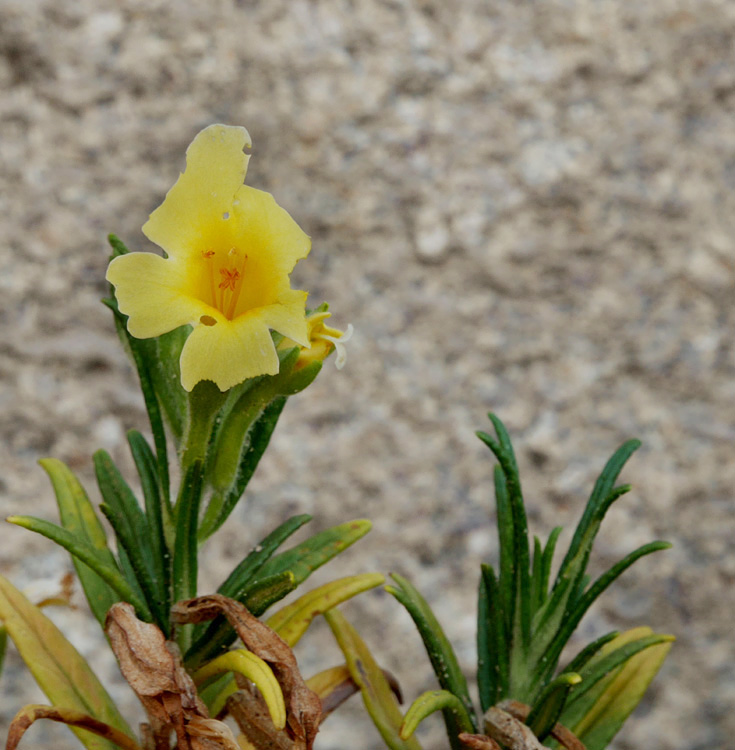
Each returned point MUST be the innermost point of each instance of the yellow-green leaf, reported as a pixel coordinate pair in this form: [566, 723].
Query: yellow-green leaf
[376, 692]
[292, 621]
[256, 670]
[78, 516]
[435, 700]
[621, 691]
[57, 666]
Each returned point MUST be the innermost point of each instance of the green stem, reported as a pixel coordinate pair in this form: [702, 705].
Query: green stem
[205, 401]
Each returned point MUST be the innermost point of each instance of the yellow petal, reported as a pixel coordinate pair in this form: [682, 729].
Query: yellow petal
[196, 207]
[228, 352]
[273, 241]
[288, 317]
[153, 292]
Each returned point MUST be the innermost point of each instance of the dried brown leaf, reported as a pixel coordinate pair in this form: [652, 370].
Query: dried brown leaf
[152, 667]
[565, 737]
[248, 709]
[508, 731]
[69, 716]
[302, 704]
[478, 741]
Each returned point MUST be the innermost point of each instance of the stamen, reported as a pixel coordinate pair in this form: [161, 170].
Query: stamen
[236, 295]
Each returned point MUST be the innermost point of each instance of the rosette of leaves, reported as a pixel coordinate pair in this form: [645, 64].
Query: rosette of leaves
[525, 619]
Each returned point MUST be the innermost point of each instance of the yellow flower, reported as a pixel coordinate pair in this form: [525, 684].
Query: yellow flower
[323, 340]
[230, 249]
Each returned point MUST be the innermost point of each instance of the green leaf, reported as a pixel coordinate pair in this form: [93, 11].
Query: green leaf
[145, 356]
[224, 502]
[376, 693]
[303, 559]
[117, 245]
[495, 654]
[60, 671]
[158, 516]
[440, 651]
[185, 561]
[220, 634]
[545, 713]
[92, 557]
[165, 373]
[574, 616]
[78, 517]
[583, 657]
[601, 491]
[292, 621]
[126, 517]
[438, 700]
[243, 574]
[548, 558]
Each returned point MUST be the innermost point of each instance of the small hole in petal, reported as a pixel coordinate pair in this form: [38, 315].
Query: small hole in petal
[207, 320]
[226, 215]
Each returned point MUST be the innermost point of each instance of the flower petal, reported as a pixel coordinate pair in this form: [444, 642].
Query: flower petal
[152, 291]
[273, 242]
[197, 206]
[288, 316]
[228, 352]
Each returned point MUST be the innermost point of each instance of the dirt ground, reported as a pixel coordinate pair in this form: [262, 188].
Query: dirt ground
[523, 207]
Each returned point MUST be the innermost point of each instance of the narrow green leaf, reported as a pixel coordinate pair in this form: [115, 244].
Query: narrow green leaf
[158, 514]
[548, 559]
[292, 621]
[376, 692]
[498, 655]
[242, 575]
[537, 592]
[145, 357]
[440, 651]
[303, 559]
[185, 561]
[455, 714]
[487, 676]
[583, 657]
[126, 517]
[508, 561]
[78, 517]
[117, 245]
[603, 486]
[222, 504]
[92, 557]
[547, 709]
[165, 373]
[219, 634]
[573, 617]
[59, 670]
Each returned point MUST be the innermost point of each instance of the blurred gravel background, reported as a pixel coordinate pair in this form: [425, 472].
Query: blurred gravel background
[521, 206]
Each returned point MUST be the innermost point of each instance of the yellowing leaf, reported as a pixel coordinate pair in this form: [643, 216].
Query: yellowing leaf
[621, 691]
[376, 692]
[292, 621]
[58, 668]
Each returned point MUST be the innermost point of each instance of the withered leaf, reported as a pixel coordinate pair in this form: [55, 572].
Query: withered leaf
[303, 706]
[248, 709]
[478, 741]
[565, 737]
[152, 667]
[509, 732]
[69, 716]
